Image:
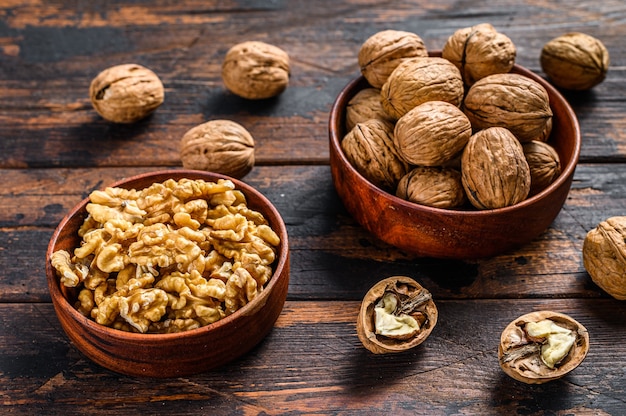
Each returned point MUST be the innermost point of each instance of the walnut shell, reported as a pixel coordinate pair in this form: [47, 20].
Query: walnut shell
[575, 61]
[432, 134]
[415, 301]
[126, 93]
[509, 100]
[494, 170]
[433, 186]
[544, 164]
[363, 106]
[369, 149]
[479, 51]
[220, 146]
[256, 70]
[604, 256]
[382, 52]
[418, 80]
[520, 357]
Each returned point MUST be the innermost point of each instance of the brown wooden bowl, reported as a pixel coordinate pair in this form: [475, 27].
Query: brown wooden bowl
[455, 234]
[184, 353]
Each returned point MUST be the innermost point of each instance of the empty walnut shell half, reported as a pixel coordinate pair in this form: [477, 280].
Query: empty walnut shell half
[396, 315]
[604, 256]
[542, 346]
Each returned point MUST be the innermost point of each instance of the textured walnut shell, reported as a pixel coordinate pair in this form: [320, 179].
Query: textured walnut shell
[382, 52]
[126, 93]
[544, 164]
[479, 51]
[220, 146]
[434, 186]
[432, 133]
[575, 61]
[494, 170]
[256, 70]
[604, 256]
[509, 100]
[529, 369]
[363, 106]
[369, 149]
[418, 80]
[365, 322]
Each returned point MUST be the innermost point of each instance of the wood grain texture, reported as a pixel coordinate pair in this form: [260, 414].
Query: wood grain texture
[312, 362]
[54, 150]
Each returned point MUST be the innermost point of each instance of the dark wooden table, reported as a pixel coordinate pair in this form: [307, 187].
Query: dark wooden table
[54, 149]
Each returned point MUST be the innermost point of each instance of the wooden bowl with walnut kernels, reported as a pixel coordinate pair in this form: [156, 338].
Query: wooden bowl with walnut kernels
[454, 234]
[183, 353]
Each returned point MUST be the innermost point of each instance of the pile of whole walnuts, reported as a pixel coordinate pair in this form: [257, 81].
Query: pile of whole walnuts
[251, 70]
[460, 130]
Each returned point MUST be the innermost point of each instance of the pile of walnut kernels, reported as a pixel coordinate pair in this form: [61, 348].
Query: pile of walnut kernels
[174, 256]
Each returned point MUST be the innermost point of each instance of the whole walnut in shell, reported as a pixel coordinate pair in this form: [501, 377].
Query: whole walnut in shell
[509, 100]
[432, 133]
[479, 51]
[604, 256]
[396, 314]
[369, 149]
[256, 70]
[494, 170]
[220, 146]
[418, 80]
[542, 346]
[433, 186]
[126, 93]
[363, 106]
[544, 164]
[382, 52]
[575, 61]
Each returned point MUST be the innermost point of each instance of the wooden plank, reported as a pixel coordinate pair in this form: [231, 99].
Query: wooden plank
[312, 362]
[181, 45]
[332, 256]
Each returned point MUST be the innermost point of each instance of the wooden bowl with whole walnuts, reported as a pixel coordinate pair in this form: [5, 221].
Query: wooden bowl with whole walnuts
[169, 273]
[439, 178]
